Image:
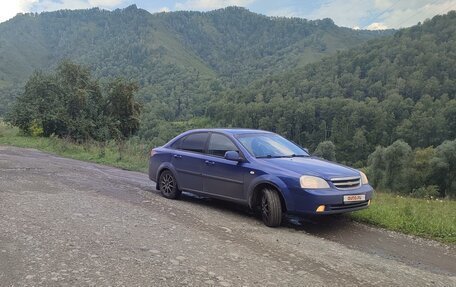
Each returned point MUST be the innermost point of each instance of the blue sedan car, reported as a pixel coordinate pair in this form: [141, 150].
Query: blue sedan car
[259, 169]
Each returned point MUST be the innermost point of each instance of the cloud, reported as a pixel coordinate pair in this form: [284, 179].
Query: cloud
[376, 14]
[284, 12]
[408, 15]
[205, 5]
[105, 3]
[9, 9]
[376, 26]
[384, 4]
[164, 9]
[52, 5]
[347, 13]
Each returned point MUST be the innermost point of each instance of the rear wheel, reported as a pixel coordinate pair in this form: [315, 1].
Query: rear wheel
[168, 185]
[271, 209]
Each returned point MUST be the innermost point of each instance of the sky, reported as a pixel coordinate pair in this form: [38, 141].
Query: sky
[357, 14]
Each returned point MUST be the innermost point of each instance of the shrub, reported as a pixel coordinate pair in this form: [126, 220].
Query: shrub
[428, 192]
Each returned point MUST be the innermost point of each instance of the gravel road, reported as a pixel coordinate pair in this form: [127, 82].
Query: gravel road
[70, 223]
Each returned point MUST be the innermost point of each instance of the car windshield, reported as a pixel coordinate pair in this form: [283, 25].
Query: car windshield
[270, 146]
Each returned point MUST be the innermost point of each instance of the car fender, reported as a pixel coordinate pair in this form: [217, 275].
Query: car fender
[269, 179]
[168, 166]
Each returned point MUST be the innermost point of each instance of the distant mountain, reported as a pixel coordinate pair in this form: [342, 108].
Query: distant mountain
[413, 62]
[240, 45]
[185, 53]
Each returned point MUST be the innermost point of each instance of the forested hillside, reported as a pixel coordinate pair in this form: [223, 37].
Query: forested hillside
[398, 87]
[189, 54]
[240, 45]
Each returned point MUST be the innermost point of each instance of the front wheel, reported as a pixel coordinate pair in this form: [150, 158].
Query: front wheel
[271, 209]
[168, 185]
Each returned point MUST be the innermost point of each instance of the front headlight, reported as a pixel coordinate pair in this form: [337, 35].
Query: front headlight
[313, 182]
[363, 178]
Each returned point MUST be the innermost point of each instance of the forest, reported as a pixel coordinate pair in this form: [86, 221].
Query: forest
[381, 101]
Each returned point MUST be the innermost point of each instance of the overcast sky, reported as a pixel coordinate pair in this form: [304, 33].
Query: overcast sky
[368, 14]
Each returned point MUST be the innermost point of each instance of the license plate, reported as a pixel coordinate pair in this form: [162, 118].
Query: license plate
[354, 198]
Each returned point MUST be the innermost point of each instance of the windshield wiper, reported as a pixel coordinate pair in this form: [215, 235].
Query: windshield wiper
[298, 155]
[282, 156]
[271, 156]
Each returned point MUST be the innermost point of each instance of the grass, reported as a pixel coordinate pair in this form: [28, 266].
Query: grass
[433, 219]
[134, 154]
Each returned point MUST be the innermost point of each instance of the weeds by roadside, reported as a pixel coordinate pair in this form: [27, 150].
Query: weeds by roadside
[134, 154]
[430, 218]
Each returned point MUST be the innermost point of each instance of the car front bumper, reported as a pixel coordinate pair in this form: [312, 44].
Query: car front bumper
[305, 202]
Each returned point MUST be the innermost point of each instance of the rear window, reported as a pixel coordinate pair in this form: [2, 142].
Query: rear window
[194, 142]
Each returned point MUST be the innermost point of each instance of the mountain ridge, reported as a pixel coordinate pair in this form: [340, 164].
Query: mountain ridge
[228, 47]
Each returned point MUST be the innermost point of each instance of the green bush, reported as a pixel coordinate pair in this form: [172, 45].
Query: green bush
[428, 192]
[70, 103]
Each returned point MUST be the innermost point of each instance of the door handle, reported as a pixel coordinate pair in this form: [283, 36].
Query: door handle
[208, 162]
[177, 156]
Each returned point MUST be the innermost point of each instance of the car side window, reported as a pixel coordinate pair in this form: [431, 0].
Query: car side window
[194, 142]
[176, 144]
[220, 144]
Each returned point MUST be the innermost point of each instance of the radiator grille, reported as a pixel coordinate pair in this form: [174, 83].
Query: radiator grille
[346, 183]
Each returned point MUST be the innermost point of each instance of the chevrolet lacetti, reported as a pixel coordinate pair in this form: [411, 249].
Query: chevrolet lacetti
[259, 169]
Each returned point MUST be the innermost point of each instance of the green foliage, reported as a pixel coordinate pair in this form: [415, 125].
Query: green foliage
[389, 168]
[326, 150]
[36, 129]
[69, 103]
[121, 107]
[428, 192]
[422, 172]
[444, 167]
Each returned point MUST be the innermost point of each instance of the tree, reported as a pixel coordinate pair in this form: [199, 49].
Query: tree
[377, 167]
[326, 150]
[122, 108]
[390, 167]
[444, 167]
[397, 162]
[422, 170]
[70, 103]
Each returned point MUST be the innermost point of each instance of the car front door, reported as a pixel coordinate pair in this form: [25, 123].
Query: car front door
[222, 177]
[188, 162]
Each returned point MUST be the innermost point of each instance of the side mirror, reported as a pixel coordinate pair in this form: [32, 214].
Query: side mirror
[232, 155]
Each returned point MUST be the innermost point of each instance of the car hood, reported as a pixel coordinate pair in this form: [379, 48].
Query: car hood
[311, 166]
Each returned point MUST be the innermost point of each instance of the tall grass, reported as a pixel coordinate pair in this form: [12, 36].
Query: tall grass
[435, 219]
[133, 155]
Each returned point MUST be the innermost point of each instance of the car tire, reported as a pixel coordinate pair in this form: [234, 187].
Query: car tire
[271, 208]
[168, 185]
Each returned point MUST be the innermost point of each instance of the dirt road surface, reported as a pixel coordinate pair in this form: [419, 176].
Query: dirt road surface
[70, 223]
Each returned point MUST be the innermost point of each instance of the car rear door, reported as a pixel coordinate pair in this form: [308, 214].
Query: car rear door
[221, 177]
[188, 162]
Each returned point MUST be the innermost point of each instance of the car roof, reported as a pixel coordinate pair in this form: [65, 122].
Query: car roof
[232, 131]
